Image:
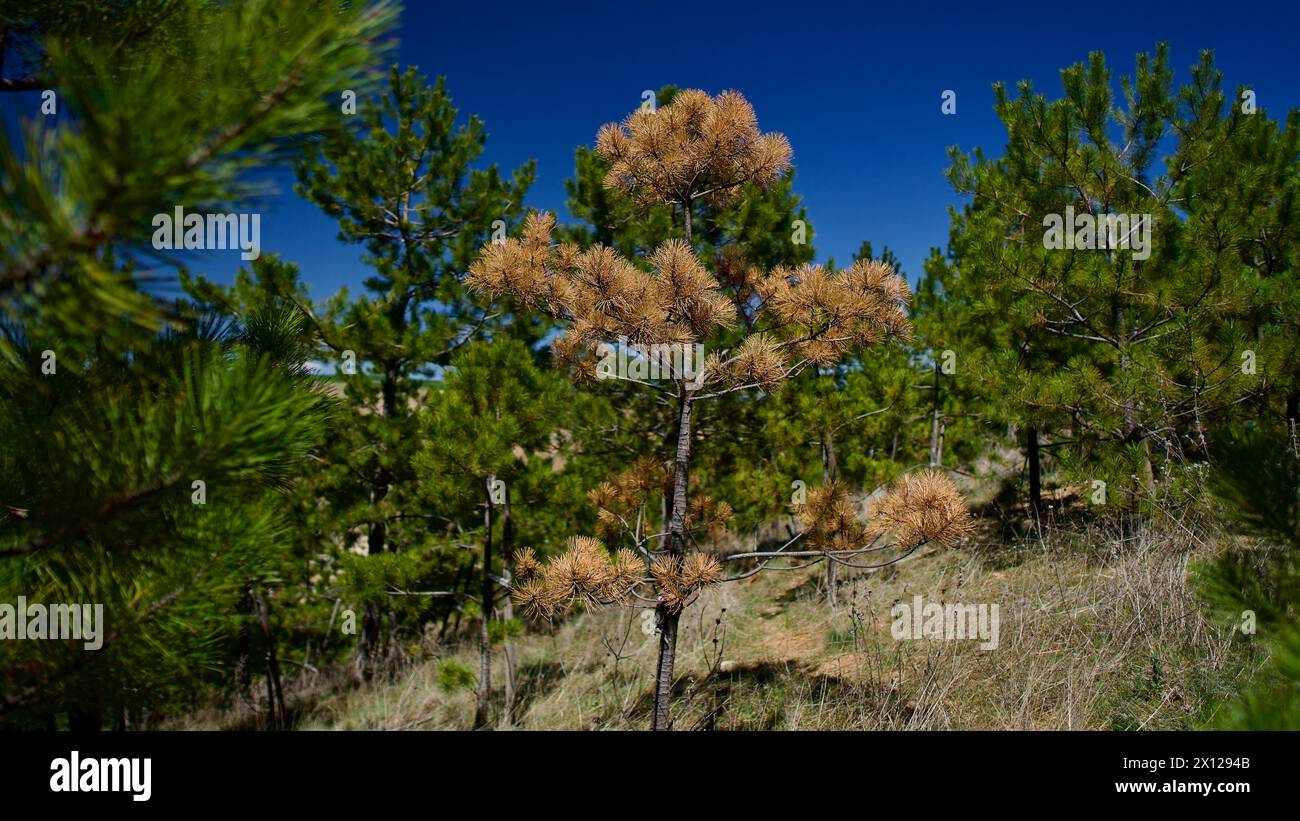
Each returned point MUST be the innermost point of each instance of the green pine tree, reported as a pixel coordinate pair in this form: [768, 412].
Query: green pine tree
[403, 187]
[491, 435]
[1115, 351]
[147, 444]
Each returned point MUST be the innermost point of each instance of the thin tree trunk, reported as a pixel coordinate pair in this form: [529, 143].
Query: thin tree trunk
[667, 619]
[666, 500]
[1121, 336]
[274, 690]
[1130, 416]
[461, 596]
[485, 642]
[271, 722]
[368, 647]
[455, 609]
[934, 438]
[1131, 524]
[1293, 421]
[243, 648]
[936, 446]
[507, 551]
[392, 649]
[828, 476]
[1035, 479]
[943, 432]
[830, 463]
[377, 539]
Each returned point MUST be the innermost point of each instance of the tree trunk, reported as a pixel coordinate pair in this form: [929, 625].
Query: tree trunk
[1035, 479]
[667, 619]
[461, 595]
[368, 647]
[485, 640]
[507, 551]
[377, 537]
[1293, 421]
[392, 648]
[828, 476]
[243, 647]
[274, 689]
[936, 447]
[458, 587]
[943, 432]
[830, 464]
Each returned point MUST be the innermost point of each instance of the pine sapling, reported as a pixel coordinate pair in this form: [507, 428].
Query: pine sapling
[693, 148]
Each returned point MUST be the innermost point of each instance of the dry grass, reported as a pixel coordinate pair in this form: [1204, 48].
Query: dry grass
[1097, 632]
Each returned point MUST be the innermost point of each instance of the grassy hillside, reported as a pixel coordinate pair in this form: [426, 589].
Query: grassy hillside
[1096, 632]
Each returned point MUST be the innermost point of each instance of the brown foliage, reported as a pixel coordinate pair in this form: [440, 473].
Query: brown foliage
[923, 507]
[830, 519]
[604, 296]
[585, 571]
[918, 508]
[677, 581]
[711, 515]
[526, 563]
[830, 313]
[820, 314]
[696, 146]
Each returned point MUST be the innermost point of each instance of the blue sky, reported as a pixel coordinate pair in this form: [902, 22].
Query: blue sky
[856, 89]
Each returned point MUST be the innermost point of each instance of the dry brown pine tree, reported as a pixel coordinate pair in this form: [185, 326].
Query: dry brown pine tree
[700, 147]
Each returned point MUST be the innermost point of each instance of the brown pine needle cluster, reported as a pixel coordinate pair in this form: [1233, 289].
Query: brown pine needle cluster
[759, 361]
[695, 146]
[710, 514]
[817, 316]
[923, 507]
[603, 295]
[830, 519]
[585, 571]
[831, 312]
[617, 499]
[526, 563]
[677, 582]
[919, 508]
